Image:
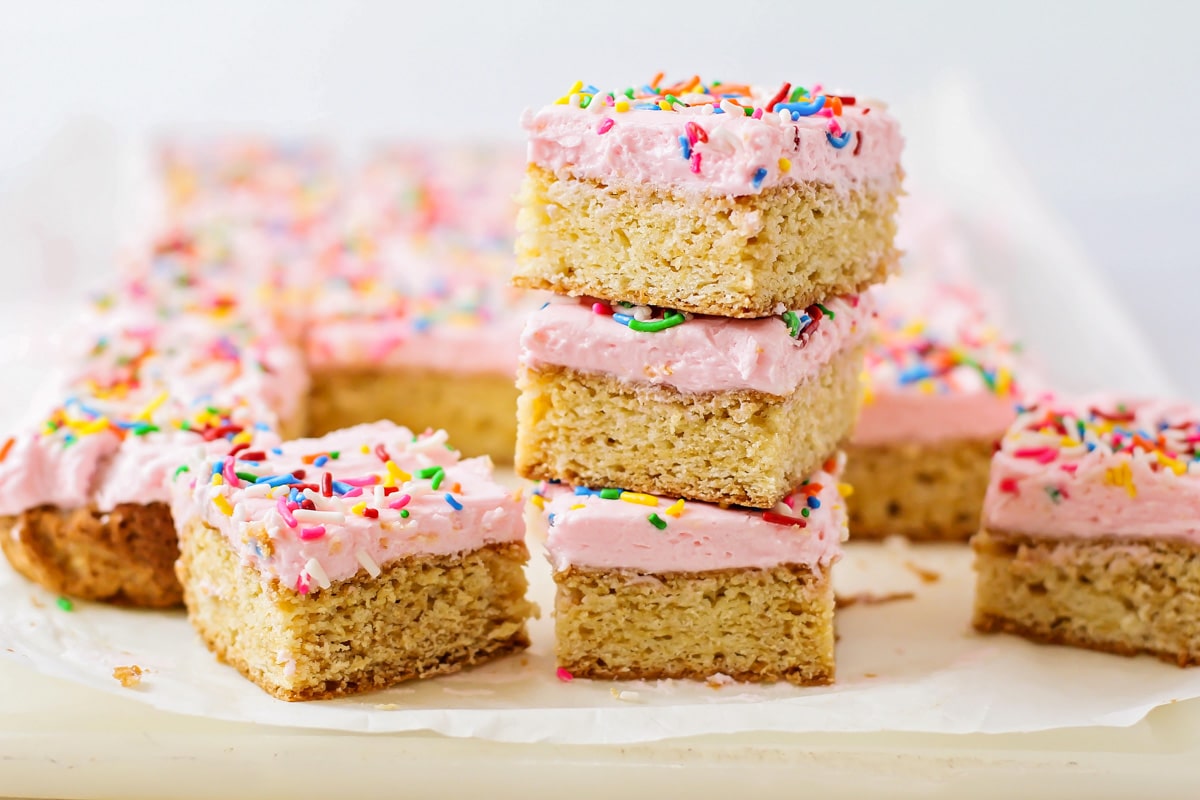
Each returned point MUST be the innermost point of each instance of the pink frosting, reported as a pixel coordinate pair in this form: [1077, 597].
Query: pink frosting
[138, 368]
[344, 541]
[933, 345]
[704, 354]
[644, 147]
[1048, 483]
[588, 531]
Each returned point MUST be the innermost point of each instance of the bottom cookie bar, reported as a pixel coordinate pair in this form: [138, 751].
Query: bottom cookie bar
[419, 616]
[1124, 596]
[926, 492]
[125, 556]
[750, 624]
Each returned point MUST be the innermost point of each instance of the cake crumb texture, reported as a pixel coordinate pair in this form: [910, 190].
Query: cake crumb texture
[749, 256]
[125, 556]
[422, 616]
[740, 447]
[751, 625]
[1119, 596]
[478, 410]
[926, 492]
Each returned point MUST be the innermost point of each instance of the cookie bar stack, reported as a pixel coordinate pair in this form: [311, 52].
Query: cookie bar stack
[686, 398]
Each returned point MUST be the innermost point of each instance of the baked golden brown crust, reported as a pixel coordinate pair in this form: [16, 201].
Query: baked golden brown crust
[758, 625]
[422, 616]
[1126, 596]
[125, 556]
[749, 256]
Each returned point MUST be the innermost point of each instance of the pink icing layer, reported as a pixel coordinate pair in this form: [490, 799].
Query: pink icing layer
[704, 354]
[928, 418]
[1047, 484]
[643, 147]
[394, 343]
[615, 534]
[303, 558]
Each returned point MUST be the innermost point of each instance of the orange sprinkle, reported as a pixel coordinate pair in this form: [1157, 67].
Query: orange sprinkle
[657, 79]
[835, 103]
[830, 465]
[8, 446]
[811, 488]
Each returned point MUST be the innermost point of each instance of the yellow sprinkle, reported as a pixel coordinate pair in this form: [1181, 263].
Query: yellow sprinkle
[223, 504]
[218, 479]
[675, 509]
[566, 98]
[396, 473]
[95, 426]
[1121, 476]
[538, 501]
[785, 165]
[1175, 466]
[845, 489]
[244, 436]
[366, 449]
[517, 495]
[358, 508]
[622, 105]
[577, 505]
[664, 105]
[1003, 382]
[151, 407]
[639, 498]
[1067, 441]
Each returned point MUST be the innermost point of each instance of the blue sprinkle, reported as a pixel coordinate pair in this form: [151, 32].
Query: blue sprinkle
[759, 175]
[624, 319]
[686, 147]
[813, 502]
[277, 451]
[457, 506]
[582, 491]
[803, 109]
[544, 305]
[589, 89]
[838, 141]
[218, 467]
[648, 107]
[261, 426]
[278, 480]
[551, 518]
[421, 325]
[1091, 446]
[341, 488]
[914, 374]
[718, 110]
[321, 460]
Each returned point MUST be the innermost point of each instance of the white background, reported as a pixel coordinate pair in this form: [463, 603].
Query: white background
[1098, 100]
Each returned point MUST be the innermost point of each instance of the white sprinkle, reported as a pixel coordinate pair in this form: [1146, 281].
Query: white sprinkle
[626, 696]
[730, 107]
[368, 563]
[432, 442]
[256, 490]
[784, 115]
[641, 313]
[307, 515]
[379, 495]
[574, 100]
[314, 569]
[597, 105]
[239, 512]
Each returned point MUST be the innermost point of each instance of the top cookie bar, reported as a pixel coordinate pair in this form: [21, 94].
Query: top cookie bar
[717, 199]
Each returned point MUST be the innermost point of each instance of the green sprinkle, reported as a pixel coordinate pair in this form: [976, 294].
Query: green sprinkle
[792, 319]
[797, 93]
[248, 477]
[142, 428]
[182, 468]
[427, 472]
[65, 604]
[586, 101]
[437, 479]
[212, 410]
[629, 92]
[610, 494]
[804, 512]
[749, 111]
[185, 426]
[657, 521]
[335, 455]
[404, 513]
[825, 311]
[672, 319]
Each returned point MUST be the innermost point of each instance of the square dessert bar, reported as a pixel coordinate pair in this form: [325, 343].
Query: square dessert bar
[708, 408]
[649, 587]
[739, 202]
[1091, 529]
[939, 395]
[349, 563]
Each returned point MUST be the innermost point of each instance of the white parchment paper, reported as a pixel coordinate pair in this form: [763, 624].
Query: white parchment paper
[911, 664]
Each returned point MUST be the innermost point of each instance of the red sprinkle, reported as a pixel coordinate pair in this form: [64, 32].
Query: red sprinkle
[783, 519]
[327, 485]
[382, 453]
[563, 675]
[1009, 485]
[237, 448]
[782, 93]
[254, 455]
[1068, 468]
[602, 308]
[695, 133]
[696, 163]
[1043, 455]
[298, 474]
[857, 142]
[371, 513]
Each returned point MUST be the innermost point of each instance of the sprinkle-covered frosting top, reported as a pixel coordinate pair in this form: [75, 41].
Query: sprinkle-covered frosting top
[313, 511]
[610, 528]
[1098, 466]
[720, 138]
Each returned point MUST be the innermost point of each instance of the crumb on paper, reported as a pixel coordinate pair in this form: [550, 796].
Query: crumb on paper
[926, 575]
[386, 706]
[870, 674]
[871, 599]
[35, 601]
[129, 677]
[626, 696]
[718, 679]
